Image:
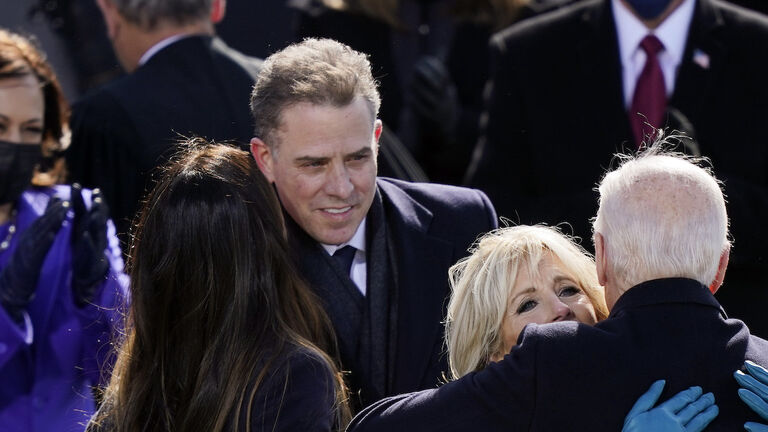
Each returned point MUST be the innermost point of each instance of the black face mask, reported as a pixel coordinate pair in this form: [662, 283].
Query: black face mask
[649, 9]
[17, 165]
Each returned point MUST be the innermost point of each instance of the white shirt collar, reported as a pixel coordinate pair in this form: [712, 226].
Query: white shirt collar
[159, 46]
[357, 241]
[672, 32]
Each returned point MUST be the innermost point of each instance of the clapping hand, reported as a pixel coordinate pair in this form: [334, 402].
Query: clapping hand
[89, 240]
[18, 279]
[754, 393]
[688, 411]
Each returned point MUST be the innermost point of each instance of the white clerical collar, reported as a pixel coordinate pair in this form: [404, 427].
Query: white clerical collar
[357, 241]
[672, 32]
[160, 45]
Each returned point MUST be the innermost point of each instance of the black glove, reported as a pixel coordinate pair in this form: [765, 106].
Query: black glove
[433, 95]
[89, 240]
[18, 279]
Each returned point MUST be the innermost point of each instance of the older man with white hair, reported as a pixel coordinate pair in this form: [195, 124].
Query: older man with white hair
[660, 216]
[661, 236]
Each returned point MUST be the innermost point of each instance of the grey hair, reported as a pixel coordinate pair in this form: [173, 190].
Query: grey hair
[481, 285]
[148, 13]
[662, 214]
[318, 71]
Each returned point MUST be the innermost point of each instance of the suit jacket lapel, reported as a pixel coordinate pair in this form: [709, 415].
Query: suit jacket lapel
[702, 60]
[420, 261]
[601, 71]
[341, 299]
[381, 300]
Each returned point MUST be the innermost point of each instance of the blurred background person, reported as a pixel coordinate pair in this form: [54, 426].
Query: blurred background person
[222, 333]
[61, 278]
[181, 79]
[431, 59]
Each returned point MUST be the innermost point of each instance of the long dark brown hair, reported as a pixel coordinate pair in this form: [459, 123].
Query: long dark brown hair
[215, 301]
[20, 57]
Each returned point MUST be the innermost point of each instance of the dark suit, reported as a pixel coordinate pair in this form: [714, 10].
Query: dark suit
[573, 377]
[121, 133]
[391, 339]
[556, 115]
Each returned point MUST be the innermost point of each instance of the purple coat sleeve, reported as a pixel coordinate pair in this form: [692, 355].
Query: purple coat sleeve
[49, 364]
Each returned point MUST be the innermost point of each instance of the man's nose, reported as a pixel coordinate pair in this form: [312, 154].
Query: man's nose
[339, 183]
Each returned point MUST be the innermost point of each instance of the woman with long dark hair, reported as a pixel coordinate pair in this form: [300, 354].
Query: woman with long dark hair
[222, 334]
[61, 278]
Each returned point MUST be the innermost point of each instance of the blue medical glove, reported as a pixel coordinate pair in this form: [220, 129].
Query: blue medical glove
[688, 411]
[18, 279]
[754, 393]
[89, 240]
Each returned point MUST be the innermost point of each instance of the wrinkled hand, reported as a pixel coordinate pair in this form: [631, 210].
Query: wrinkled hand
[754, 393]
[18, 279]
[688, 411]
[89, 240]
[433, 95]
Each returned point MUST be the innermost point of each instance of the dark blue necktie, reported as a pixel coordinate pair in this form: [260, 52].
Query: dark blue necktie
[344, 257]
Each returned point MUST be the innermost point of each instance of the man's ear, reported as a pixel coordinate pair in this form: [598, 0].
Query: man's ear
[110, 14]
[721, 266]
[600, 264]
[218, 10]
[378, 127]
[264, 158]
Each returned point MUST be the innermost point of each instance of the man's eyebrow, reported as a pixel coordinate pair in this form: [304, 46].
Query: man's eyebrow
[310, 159]
[362, 152]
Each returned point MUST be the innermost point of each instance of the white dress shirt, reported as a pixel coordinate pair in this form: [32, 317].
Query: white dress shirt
[358, 272]
[672, 32]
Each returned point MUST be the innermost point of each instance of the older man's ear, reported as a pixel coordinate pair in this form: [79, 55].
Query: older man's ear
[721, 267]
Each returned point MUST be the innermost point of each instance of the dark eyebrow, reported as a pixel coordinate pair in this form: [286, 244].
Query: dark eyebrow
[365, 151]
[34, 120]
[309, 159]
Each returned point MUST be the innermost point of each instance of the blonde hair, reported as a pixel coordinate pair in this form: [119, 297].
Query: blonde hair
[481, 285]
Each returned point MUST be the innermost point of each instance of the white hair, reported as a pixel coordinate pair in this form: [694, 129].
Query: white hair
[662, 215]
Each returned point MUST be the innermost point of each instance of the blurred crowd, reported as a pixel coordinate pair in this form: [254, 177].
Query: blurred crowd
[240, 215]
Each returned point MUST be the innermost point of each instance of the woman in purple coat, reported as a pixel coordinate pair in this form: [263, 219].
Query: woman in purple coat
[61, 278]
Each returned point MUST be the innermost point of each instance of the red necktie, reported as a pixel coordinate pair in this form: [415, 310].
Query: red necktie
[650, 99]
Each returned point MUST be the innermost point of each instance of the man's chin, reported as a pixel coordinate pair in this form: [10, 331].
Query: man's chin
[334, 236]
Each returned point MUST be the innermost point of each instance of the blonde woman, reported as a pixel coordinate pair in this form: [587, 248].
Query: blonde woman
[516, 276]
